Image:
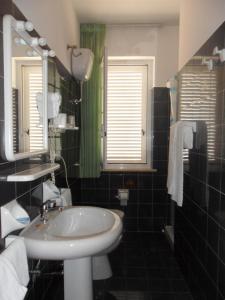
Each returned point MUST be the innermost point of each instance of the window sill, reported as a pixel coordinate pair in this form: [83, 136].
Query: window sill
[130, 170]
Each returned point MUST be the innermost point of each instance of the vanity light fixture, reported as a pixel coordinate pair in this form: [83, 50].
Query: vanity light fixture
[50, 53]
[38, 42]
[24, 26]
[34, 42]
[19, 42]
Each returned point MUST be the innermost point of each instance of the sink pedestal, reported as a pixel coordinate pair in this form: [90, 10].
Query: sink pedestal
[78, 279]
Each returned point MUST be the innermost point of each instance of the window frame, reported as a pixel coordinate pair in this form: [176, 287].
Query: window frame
[148, 61]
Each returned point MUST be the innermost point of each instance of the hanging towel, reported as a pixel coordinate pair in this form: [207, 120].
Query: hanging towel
[181, 136]
[16, 254]
[14, 275]
[10, 288]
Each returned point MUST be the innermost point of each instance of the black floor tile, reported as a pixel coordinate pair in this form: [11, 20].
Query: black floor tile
[163, 296]
[144, 268]
[160, 286]
[179, 286]
[137, 284]
[186, 296]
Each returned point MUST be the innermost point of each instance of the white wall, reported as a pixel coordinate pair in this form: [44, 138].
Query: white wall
[198, 20]
[167, 54]
[56, 20]
[131, 40]
[140, 40]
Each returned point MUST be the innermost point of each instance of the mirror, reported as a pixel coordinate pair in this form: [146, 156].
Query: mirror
[25, 87]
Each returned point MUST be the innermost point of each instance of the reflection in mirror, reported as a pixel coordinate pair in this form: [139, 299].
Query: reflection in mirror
[197, 97]
[27, 75]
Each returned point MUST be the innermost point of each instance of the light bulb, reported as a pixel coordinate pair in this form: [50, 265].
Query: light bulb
[51, 53]
[29, 26]
[42, 41]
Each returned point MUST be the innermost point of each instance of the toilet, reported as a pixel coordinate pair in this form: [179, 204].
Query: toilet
[101, 268]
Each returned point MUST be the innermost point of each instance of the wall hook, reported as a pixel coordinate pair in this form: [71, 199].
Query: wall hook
[221, 53]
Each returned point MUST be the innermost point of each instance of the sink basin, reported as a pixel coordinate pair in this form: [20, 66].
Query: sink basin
[74, 236]
[76, 232]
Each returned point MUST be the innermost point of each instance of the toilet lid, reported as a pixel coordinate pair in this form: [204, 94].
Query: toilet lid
[120, 213]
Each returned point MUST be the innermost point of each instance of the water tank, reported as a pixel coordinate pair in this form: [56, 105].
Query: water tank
[82, 63]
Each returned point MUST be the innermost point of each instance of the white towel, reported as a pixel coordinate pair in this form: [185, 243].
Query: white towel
[14, 274]
[181, 136]
[10, 288]
[16, 254]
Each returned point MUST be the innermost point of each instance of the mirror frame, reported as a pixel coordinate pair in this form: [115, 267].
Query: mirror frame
[10, 23]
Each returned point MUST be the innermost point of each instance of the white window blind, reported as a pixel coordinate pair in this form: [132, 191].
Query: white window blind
[198, 101]
[32, 86]
[126, 114]
[15, 120]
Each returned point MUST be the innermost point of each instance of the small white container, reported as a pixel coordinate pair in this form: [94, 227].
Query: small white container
[60, 121]
[71, 121]
[13, 217]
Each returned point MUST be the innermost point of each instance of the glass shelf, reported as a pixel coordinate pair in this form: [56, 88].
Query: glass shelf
[63, 128]
[32, 173]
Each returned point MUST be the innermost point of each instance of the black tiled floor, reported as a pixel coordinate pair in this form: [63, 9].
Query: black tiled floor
[144, 269]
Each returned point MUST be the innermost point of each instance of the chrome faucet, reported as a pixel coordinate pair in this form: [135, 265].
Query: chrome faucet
[45, 208]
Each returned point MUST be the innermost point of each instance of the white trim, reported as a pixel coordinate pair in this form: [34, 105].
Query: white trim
[138, 58]
[8, 23]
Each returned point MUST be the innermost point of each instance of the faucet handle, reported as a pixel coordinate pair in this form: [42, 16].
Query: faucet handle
[43, 209]
[52, 203]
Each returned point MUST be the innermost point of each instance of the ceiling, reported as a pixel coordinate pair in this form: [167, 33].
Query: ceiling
[127, 11]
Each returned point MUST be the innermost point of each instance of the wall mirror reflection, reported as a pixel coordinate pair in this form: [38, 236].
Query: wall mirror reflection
[27, 77]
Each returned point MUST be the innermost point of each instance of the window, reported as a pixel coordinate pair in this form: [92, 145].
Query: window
[127, 107]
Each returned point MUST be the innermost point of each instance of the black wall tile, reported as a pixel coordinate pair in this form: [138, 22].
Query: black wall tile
[145, 189]
[200, 223]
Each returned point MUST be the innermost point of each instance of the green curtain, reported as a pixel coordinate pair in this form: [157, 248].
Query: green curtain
[92, 37]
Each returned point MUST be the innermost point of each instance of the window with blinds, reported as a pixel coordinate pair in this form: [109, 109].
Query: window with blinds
[33, 136]
[126, 109]
[198, 101]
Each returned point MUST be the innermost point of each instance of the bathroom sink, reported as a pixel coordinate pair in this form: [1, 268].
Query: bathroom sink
[76, 232]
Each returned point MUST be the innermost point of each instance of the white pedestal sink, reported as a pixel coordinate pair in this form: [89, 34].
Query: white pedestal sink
[73, 235]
